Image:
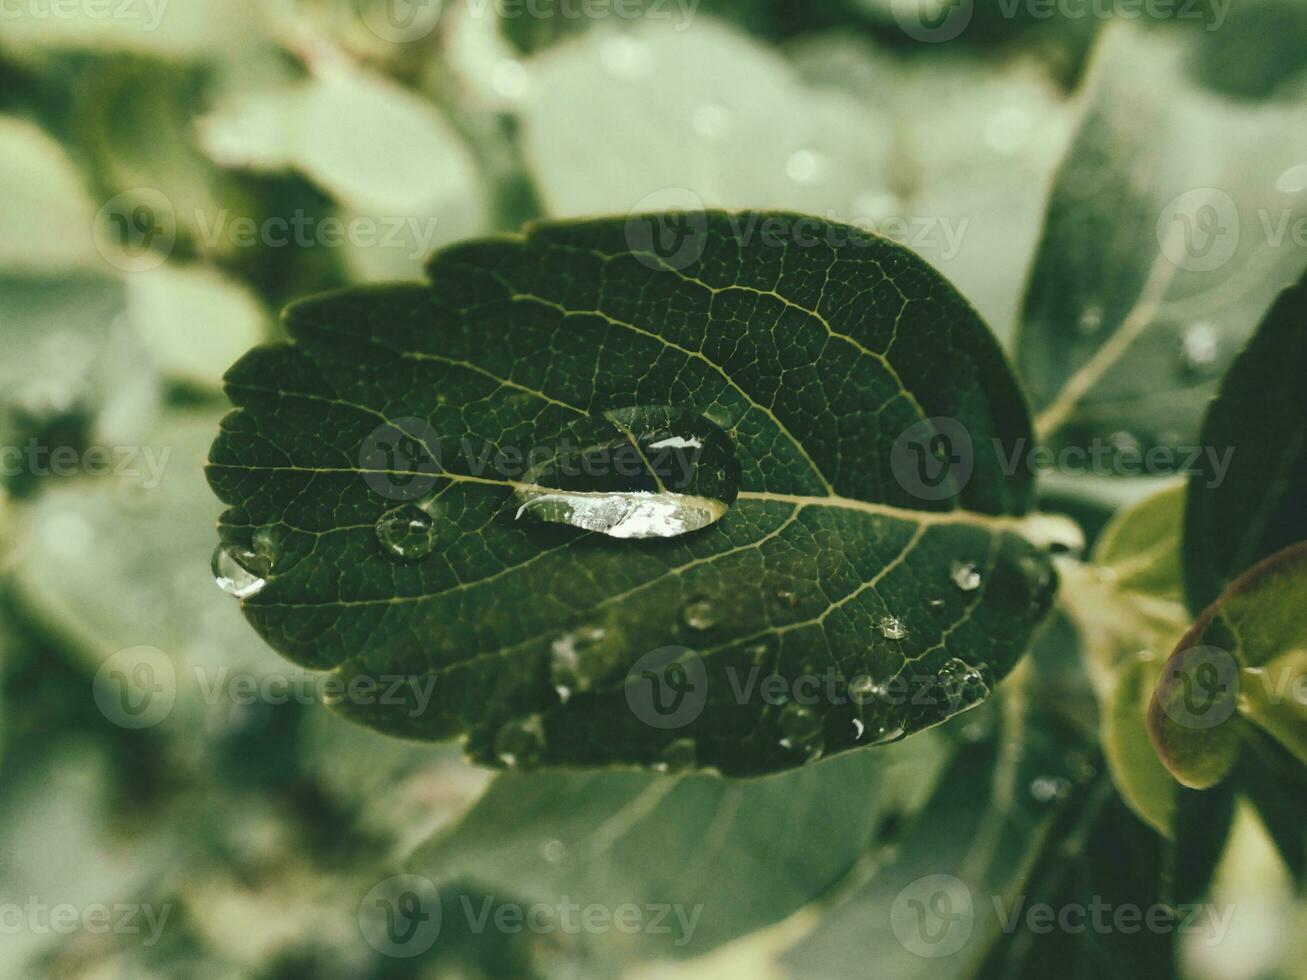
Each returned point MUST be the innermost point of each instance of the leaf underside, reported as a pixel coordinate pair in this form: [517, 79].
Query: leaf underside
[813, 352]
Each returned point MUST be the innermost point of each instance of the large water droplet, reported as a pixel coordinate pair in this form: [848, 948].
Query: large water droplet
[407, 532]
[803, 731]
[645, 472]
[699, 614]
[521, 743]
[240, 571]
[892, 628]
[965, 575]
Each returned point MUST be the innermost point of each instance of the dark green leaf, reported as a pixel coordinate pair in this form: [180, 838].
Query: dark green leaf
[1259, 424]
[814, 348]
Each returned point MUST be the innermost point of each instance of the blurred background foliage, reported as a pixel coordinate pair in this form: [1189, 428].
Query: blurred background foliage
[154, 175]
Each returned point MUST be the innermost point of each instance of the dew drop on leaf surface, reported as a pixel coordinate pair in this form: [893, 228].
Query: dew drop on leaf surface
[406, 532]
[965, 576]
[240, 571]
[803, 731]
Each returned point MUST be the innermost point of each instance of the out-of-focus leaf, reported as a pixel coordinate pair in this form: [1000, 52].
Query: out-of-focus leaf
[1141, 545]
[193, 320]
[937, 907]
[162, 28]
[1198, 714]
[734, 855]
[1138, 773]
[830, 556]
[1170, 230]
[1254, 52]
[402, 175]
[975, 147]
[46, 221]
[1258, 426]
[1202, 821]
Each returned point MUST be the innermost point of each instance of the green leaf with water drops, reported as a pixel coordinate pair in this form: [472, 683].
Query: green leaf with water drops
[1253, 506]
[681, 841]
[1239, 665]
[646, 496]
[1169, 233]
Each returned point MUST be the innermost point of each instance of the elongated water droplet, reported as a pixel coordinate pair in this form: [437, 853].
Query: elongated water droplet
[521, 743]
[858, 729]
[644, 472]
[680, 755]
[240, 571]
[407, 532]
[965, 575]
[699, 615]
[892, 628]
[1091, 320]
[802, 731]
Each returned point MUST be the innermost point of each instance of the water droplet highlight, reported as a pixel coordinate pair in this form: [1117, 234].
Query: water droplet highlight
[407, 532]
[806, 167]
[699, 615]
[892, 628]
[583, 658]
[803, 731]
[521, 743]
[1200, 348]
[1293, 180]
[644, 472]
[680, 755]
[960, 686]
[240, 571]
[1046, 789]
[965, 575]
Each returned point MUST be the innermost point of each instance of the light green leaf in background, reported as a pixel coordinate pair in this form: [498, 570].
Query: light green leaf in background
[1172, 226]
[405, 181]
[728, 856]
[1254, 506]
[795, 360]
[48, 215]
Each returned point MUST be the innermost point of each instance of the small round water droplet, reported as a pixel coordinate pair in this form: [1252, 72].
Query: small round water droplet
[407, 532]
[236, 570]
[787, 597]
[1046, 789]
[965, 575]
[626, 57]
[960, 686]
[521, 743]
[803, 731]
[509, 79]
[680, 755]
[1200, 347]
[806, 167]
[1091, 320]
[554, 851]
[699, 614]
[937, 603]
[582, 658]
[892, 628]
